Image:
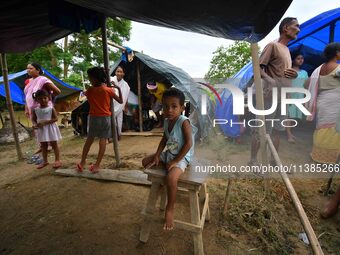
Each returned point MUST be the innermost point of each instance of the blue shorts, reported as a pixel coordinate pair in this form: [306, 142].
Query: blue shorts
[167, 156]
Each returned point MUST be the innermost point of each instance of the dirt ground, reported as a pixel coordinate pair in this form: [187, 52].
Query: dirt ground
[42, 213]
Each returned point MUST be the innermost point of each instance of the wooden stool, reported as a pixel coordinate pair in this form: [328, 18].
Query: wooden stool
[66, 117]
[195, 184]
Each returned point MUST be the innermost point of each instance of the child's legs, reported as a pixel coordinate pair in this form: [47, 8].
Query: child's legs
[44, 146]
[55, 148]
[171, 182]
[101, 152]
[86, 149]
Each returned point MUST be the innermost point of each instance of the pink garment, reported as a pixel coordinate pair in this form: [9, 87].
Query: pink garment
[33, 86]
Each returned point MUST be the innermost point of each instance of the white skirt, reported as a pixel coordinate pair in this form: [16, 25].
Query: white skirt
[48, 133]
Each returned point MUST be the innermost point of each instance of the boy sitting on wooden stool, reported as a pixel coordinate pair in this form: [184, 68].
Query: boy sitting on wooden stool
[178, 138]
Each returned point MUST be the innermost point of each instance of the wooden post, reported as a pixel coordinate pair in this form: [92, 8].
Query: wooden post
[2, 120]
[139, 97]
[227, 197]
[195, 219]
[259, 100]
[298, 206]
[107, 69]
[10, 105]
[260, 105]
[149, 210]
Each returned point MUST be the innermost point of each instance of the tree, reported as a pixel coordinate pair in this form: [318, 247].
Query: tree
[86, 49]
[75, 53]
[48, 57]
[227, 61]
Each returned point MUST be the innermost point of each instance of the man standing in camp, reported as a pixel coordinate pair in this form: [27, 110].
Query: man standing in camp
[156, 89]
[276, 71]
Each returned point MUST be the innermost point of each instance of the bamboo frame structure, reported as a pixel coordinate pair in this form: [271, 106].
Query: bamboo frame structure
[10, 106]
[266, 141]
[107, 69]
[298, 206]
[140, 117]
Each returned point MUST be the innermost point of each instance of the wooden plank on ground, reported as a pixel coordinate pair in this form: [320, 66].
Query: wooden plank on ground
[126, 176]
[142, 134]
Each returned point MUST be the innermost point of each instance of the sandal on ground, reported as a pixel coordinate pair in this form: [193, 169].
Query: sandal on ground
[57, 164]
[94, 169]
[42, 165]
[79, 168]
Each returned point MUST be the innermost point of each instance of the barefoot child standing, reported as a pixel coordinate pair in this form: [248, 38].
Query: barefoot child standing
[99, 124]
[179, 139]
[44, 120]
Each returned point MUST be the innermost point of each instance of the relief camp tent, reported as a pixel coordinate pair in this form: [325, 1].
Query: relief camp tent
[27, 25]
[162, 71]
[43, 22]
[17, 85]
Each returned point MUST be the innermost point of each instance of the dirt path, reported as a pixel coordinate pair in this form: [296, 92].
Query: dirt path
[42, 213]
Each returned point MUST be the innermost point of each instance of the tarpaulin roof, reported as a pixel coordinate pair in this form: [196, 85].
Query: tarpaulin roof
[162, 71]
[315, 34]
[17, 85]
[25, 25]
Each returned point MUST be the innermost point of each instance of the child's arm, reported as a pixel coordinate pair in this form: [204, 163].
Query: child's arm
[160, 148]
[119, 98]
[34, 120]
[187, 135]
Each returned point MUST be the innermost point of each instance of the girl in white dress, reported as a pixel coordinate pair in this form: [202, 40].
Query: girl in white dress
[44, 121]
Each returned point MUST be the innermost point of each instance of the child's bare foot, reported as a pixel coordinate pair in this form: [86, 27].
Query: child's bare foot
[42, 165]
[94, 169]
[169, 219]
[57, 164]
[80, 167]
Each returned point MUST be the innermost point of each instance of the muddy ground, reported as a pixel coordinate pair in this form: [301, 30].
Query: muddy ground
[42, 213]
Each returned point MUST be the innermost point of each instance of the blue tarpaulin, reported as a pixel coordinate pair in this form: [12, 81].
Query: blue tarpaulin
[17, 85]
[315, 34]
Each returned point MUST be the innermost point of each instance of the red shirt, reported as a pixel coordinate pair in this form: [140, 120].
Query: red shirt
[100, 100]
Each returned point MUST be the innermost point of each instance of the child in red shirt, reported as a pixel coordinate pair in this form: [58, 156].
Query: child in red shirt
[99, 124]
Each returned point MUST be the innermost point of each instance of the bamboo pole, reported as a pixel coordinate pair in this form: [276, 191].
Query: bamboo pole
[10, 106]
[2, 120]
[139, 98]
[113, 44]
[259, 100]
[107, 69]
[260, 105]
[227, 197]
[298, 206]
